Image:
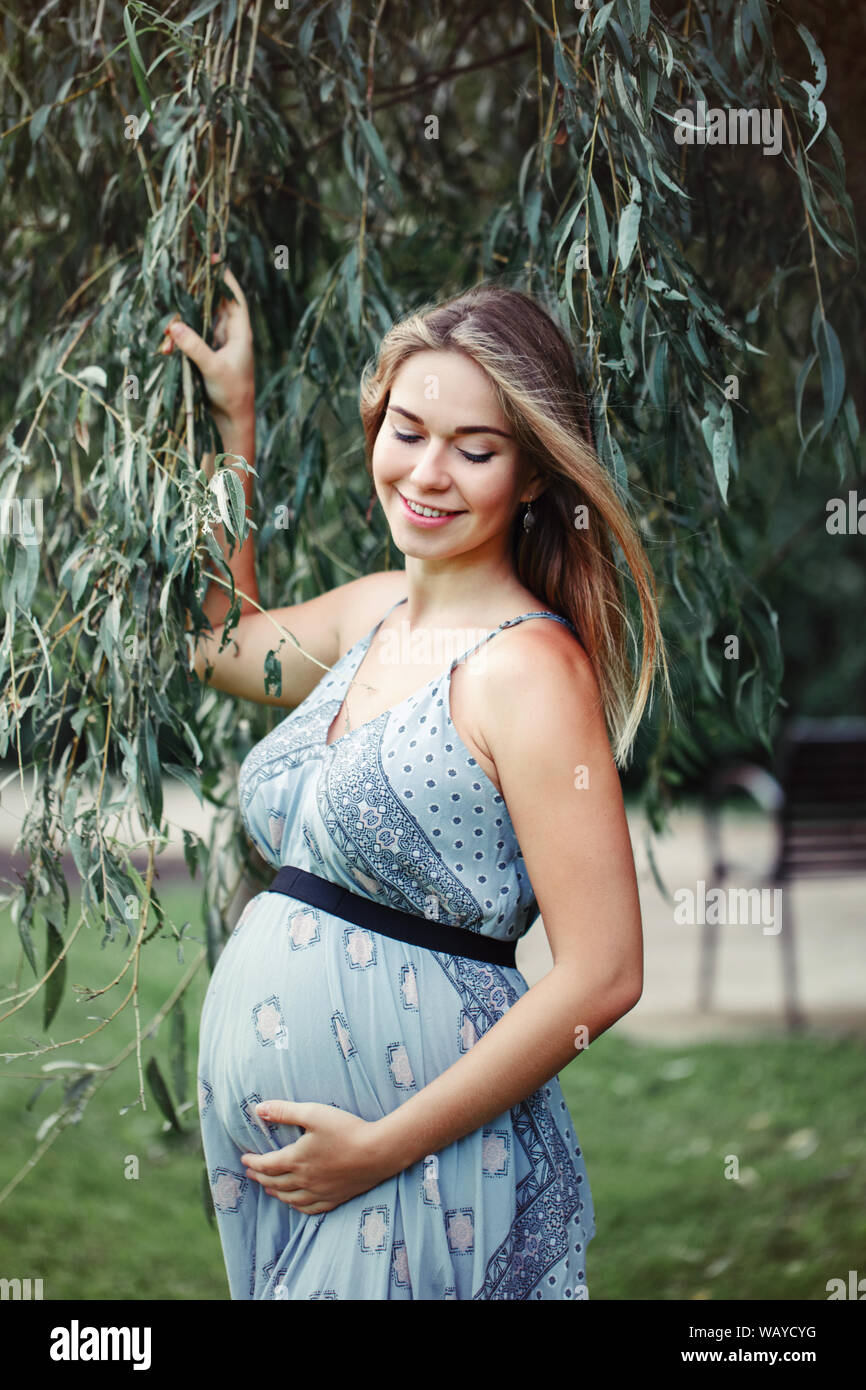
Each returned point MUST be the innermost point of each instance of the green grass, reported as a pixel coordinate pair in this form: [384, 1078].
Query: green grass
[76, 1220]
[655, 1125]
[670, 1224]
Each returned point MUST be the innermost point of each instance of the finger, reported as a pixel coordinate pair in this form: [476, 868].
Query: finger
[286, 1112]
[270, 1179]
[191, 345]
[233, 285]
[220, 328]
[281, 1182]
[239, 301]
[276, 1162]
[292, 1190]
[292, 1197]
[305, 1203]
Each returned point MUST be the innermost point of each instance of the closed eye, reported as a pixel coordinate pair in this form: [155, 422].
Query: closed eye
[473, 458]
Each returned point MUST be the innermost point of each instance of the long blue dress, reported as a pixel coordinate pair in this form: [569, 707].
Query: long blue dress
[305, 1006]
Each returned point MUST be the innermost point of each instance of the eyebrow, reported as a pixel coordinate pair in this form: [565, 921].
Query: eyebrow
[463, 429]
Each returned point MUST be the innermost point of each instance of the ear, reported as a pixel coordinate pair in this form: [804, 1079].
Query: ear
[535, 486]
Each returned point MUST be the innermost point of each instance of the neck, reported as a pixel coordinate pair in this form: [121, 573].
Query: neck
[456, 590]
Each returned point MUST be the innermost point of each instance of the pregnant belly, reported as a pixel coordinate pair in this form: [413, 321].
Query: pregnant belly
[305, 1006]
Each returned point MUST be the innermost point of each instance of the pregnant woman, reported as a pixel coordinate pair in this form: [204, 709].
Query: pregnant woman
[380, 1107]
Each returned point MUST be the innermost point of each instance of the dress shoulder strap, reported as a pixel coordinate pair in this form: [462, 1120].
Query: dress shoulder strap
[509, 622]
[373, 630]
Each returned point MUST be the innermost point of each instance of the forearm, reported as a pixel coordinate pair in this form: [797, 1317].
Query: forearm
[525, 1048]
[238, 436]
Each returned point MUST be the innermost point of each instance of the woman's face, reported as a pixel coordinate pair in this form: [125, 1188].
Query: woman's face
[445, 446]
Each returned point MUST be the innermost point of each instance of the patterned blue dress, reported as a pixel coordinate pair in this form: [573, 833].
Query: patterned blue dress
[305, 1006]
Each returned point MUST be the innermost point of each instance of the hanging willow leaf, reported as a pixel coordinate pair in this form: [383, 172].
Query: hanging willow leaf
[377, 150]
[564, 69]
[56, 981]
[137, 62]
[723, 437]
[832, 370]
[178, 1045]
[802, 378]
[628, 229]
[229, 492]
[161, 1094]
[598, 225]
[150, 776]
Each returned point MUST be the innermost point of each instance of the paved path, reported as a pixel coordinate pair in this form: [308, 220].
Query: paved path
[829, 928]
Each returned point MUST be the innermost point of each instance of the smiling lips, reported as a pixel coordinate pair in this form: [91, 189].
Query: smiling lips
[424, 512]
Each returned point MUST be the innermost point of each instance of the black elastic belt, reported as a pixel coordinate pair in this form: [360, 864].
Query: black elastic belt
[390, 921]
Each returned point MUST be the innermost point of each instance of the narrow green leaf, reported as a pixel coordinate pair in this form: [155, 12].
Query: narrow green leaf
[563, 66]
[722, 440]
[188, 777]
[598, 225]
[761, 19]
[694, 341]
[149, 770]
[161, 1094]
[137, 62]
[802, 377]
[532, 213]
[191, 843]
[56, 981]
[832, 371]
[628, 229]
[818, 61]
[38, 122]
[377, 150]
[198, 13]
[658, 378]
[709, 668]
[599, 25]
[178, 1043]
[568, 275]
[569, 223]
[305, 37]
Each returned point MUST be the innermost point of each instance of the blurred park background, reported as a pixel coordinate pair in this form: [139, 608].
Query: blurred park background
[301, 144]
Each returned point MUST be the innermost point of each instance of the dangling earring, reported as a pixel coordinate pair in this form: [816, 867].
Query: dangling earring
[529, 519]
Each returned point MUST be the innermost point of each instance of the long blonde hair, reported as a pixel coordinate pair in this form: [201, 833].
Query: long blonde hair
[572, 569]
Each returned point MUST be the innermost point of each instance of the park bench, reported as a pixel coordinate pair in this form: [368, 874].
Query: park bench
[817, 798]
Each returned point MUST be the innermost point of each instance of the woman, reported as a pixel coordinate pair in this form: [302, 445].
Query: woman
[380, 1106]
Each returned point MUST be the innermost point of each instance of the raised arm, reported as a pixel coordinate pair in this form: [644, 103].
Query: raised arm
[322, 626]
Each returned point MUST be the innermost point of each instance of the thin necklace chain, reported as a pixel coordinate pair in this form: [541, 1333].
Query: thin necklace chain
[346, 696]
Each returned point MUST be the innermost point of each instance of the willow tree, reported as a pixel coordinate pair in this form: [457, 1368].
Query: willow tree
[350, 163]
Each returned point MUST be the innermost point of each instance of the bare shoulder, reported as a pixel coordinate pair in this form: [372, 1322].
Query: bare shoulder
[362, 602]
[540, 667]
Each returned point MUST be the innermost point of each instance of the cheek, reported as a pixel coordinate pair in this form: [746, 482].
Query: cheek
[385, 459]
[489, 492]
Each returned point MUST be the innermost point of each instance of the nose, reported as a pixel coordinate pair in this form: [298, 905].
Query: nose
[430, 470]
